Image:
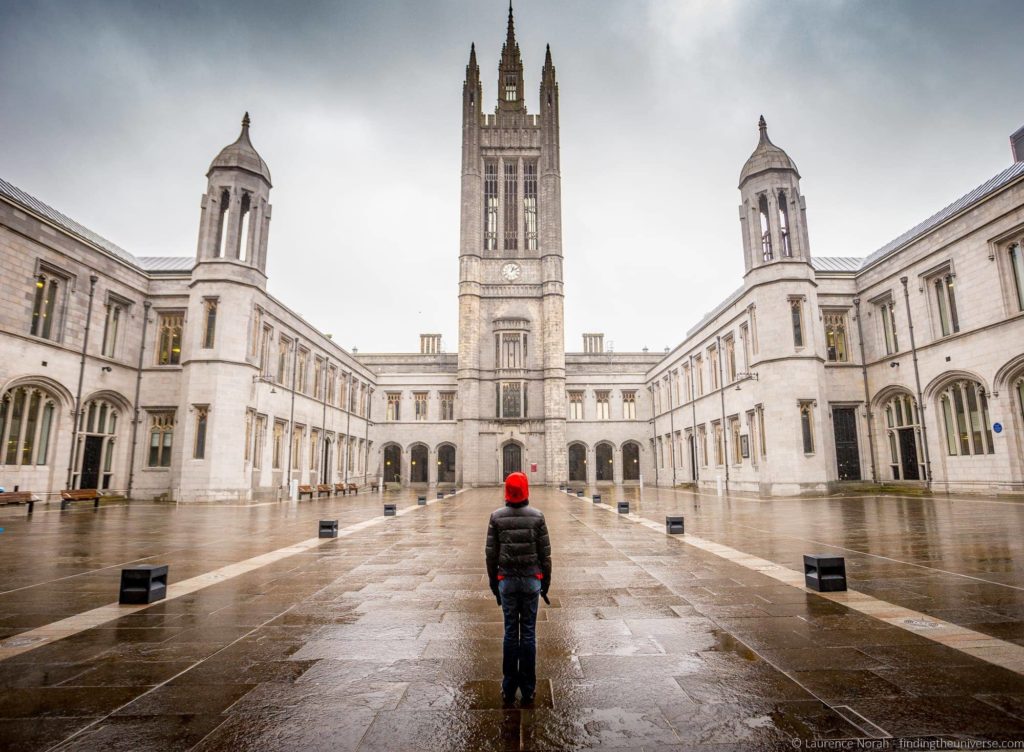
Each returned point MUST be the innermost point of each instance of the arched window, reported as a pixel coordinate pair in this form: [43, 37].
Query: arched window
[766, 234]
[26, 422]
[446, 464]
[903, 435]
[222, 223]
[577, 462]
[787, 249]
[605, 467]
[418, 464]
[94, 453]
[243, 232]
[631, 461]
[964, 408]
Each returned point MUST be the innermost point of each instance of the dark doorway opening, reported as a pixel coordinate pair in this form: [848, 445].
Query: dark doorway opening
[631, 461]
[511, 460]
[577, 463]
[844, 423]
[418, 464]
[908, 454]
[393, 464]
[446, 464]
[91, 453]
[605, 467]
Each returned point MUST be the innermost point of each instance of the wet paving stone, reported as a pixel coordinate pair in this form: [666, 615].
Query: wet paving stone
[389, 639]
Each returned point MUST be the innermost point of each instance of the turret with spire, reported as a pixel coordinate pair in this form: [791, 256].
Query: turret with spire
[510, 72]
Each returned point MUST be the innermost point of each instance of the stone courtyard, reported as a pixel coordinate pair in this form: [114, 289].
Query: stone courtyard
[387, 637]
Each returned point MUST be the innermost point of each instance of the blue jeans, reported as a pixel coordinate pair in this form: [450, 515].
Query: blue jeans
[519, 601]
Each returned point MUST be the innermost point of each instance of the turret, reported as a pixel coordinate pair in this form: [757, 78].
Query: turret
[511, 97]
[773, 214]
[235, 216]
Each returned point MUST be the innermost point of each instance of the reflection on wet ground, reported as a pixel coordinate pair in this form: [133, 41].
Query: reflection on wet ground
[388, 639]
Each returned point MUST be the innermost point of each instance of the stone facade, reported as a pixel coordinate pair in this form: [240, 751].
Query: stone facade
[191, 382]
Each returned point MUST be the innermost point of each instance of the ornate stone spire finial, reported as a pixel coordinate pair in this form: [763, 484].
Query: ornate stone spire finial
[762, 126]
[246, 121]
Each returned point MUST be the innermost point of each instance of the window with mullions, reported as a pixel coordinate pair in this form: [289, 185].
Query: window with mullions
[713, 366]
[603, 408]
[259, 432]
[209, 322]
[797, 317]
[1015, 256]
[419, 404]
[964, 407]
[787, 249]
[301, 369]
[766, 233]
[278, 446]
[511, 399]
[510, 350]
[490, 206]
[835, 337]
[629, 405]
[702, 444]
[575, 405]
[112, 326]
[447, 400]
[945, 301]
[284, 346]
[169, 326]
[26, 420]
[530, 204]
[46, 308]
[698, 372]
[511, 94]
[730, 358]
[161, 438]
[716, 428]
[887, 320]
[511, 204]
[394, 408]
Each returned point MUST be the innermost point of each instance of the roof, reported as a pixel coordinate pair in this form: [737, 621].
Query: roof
[767, 156]
[984, 190]
[154, 264]
[48, 212]
[241, 155]
[836, 263]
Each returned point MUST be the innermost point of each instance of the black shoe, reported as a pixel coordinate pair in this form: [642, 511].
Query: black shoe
[508, 699]
[527, 700]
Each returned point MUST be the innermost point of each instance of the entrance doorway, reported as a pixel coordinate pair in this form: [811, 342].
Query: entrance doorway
[393, 464]
[844, 422]
[605, 467]
[692, 448]
[418, 464]
[631, 461]
[511, 460]
[577, 463]
[908, 454]
[91, 452]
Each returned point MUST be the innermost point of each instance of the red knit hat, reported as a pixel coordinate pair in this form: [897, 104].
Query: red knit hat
[517, 488]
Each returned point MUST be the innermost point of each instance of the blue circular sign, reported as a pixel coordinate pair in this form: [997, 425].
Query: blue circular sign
[997, 427]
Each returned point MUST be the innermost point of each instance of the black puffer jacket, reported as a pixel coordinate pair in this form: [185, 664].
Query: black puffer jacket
[518, 544]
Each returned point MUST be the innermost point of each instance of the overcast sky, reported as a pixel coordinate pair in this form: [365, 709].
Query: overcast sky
[112, 111]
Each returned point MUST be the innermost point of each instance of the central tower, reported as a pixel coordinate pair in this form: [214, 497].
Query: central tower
[511, 333]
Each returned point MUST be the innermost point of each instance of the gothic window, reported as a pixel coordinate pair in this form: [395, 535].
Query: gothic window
[628, 405]
[301, 369]
[352, 453]
[759, 409]
[530, 204]
[222, 223]
[419, 405]
[45, 308]
[283, 347]
[787, 249]
[716, 427]
[259, 437]
[752, 433]
[687, 383]
[511, 203]
[332, 384]
[94, 454]
[510, 88]
[161, 438]
[835, 337]
[26, 423]
[698, 371]
[202, 413]
[603, 409]
[679, 385]
[753, 329]
[887, 319]
[734, 438]
[713, 366]
[249, 415]
[447, 405]
[1016, 258]
[806, 426]
[745, 343]
[257, 329]
[278, 445]
[490, 206]
[297, 432]
[964, 407]
[265, 338]
[510, 350]
[394, 409]
[243, 233]
[511, 399]
[314, 448]
[318, 377]
[766, 233]
[575, 405]
[209, 321]
[945, 301]
[112, 326]
[702, 444]
[169, 326]
[730, 358]
[797, 317]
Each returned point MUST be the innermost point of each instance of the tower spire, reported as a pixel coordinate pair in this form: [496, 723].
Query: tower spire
[510, 71]
[762, 128]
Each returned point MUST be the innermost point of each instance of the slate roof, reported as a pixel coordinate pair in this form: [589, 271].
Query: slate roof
[152, 264]
[836, 263]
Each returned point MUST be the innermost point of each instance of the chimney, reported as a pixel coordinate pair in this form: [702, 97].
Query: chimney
[1017, 144]
[430, 344]
[593, 343]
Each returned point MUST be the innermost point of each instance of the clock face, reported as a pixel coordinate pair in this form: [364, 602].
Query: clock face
[511, 272]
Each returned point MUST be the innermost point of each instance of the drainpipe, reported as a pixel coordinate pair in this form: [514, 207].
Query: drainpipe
[366, 438]
[721, 394]
[323, 421]
[917, 381]
[348, 424]
[291, 418]
[693, 425]
[138, 389]
[654, 433]
[81, 377]
[672, 428]
[867, 394]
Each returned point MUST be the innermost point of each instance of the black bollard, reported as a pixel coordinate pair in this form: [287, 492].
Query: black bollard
[390, 510]
[596, 498]
[328, 528]
[674, 525]
[144, 583]
[825, 573]
[623, 507]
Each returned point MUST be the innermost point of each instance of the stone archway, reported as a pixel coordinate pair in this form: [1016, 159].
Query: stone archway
[577, 463]
[605, 464]
[392, 463]
[418, 463]
[630, 461]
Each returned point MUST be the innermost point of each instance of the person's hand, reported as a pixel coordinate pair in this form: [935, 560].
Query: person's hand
[496, 592]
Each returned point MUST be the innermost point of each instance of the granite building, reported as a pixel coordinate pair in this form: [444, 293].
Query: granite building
[185, 379]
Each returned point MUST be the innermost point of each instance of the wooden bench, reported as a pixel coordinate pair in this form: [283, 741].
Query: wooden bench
[69, 495]
[353, 488]
[323, 488]
[339, 488]
[18, 497]
[305, 491]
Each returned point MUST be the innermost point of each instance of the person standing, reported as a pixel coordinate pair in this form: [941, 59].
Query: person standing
[518, 553]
